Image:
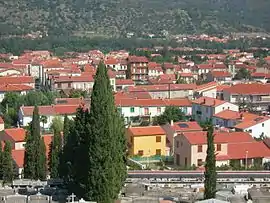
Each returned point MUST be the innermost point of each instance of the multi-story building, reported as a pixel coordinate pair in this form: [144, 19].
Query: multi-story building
[191, 149]
[204, 108]
[256, 96]
[146, 141]
[138, 66]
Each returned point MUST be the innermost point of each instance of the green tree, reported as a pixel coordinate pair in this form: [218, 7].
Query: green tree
[35, 151]
[171, 113]
[36, 98]
[210, 173]
[105, 167]
[1, 155]
[242, 74]
[7, 164]
[77, 94]
[54, 154]
[57, 124]
[66, 152]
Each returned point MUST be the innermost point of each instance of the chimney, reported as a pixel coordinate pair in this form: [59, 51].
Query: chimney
[171, 122]
[204, 101]
[241, 116]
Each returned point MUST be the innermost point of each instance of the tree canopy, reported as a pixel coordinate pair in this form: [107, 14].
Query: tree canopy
[171, 113]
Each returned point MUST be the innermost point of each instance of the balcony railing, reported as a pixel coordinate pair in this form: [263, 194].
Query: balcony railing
[153, 159]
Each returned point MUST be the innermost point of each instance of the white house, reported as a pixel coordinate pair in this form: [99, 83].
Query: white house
[257, 95]
[134, 109]
[254, 124]
[26, 113]
[204, 108]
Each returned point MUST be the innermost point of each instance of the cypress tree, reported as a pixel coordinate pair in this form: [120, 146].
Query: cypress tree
[1, 165]
[54, 154]
[105, 168]
[35, 151]
[7, 163]
[210, 166]
[63, 170]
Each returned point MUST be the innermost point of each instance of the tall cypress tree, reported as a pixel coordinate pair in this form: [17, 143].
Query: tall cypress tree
[54, 154]
[105, 168]
[35, 151]
[1, 165]
[64, 156]
[210, 166]
[7, 163]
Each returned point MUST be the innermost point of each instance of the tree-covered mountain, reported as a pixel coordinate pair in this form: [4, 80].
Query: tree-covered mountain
[118, 17]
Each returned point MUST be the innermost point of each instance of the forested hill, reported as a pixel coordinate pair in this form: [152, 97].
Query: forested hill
[118, 17]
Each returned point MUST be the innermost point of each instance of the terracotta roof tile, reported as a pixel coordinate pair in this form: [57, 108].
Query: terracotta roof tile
[16, 80]
[197, 138]
[137, 59]
[51, 110]
[88, 78]
[18, 157]
[245, 89]
[220, 74]
[16, 134]
[124, 82]
[208, 101]
[147, 130]
[15, 88]
[186, 126]
[246, 123]
[249, 150]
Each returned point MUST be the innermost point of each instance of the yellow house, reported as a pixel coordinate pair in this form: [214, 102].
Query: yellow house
[146, 141]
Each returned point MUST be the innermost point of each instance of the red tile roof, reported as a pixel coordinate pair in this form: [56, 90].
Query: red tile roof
[154, 88]
[251, 122]
[220, 88]
[47, 141]
[15, 88]
[247, 89]
[198, 138]
[125, 82]
[228, 115]
[208, 101]
[18, 157]
[16, 80]
[249, 150]
[137, 59]
[187, 126]
[111, 61]
[207, 86]
[16, 134]
[151, 102]
[220, 74]
[146, 130]
[51, 110]
[88, 78]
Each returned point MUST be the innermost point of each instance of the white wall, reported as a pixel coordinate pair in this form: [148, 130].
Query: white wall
[19, 145]
[257, 130]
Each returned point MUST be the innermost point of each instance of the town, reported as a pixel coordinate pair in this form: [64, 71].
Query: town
[168, 98]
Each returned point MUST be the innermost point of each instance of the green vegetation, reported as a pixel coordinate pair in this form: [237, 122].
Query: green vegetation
[116, 18]
[12, 102]
[104, 169]
[35, 157]
[210, 173]
[7, 164]
[171, 113]
[54, 154]
[242, 74]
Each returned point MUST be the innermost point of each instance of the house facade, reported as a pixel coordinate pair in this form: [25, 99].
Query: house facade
[146, 141]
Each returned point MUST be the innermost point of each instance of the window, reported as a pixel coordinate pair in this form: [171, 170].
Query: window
[158, 109]
[223, 108]
[262, 124]
[132, 110]
[177, 144]
[69, 85]
[158, 139]
[146, 111]
[199, 162]
[140, 152]
[250, 131]
[158, 152]
[59, 85]
[218, 147]
[185, 161]
[199, 148]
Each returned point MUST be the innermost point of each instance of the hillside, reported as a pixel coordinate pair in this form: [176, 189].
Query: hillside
[117, 17]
